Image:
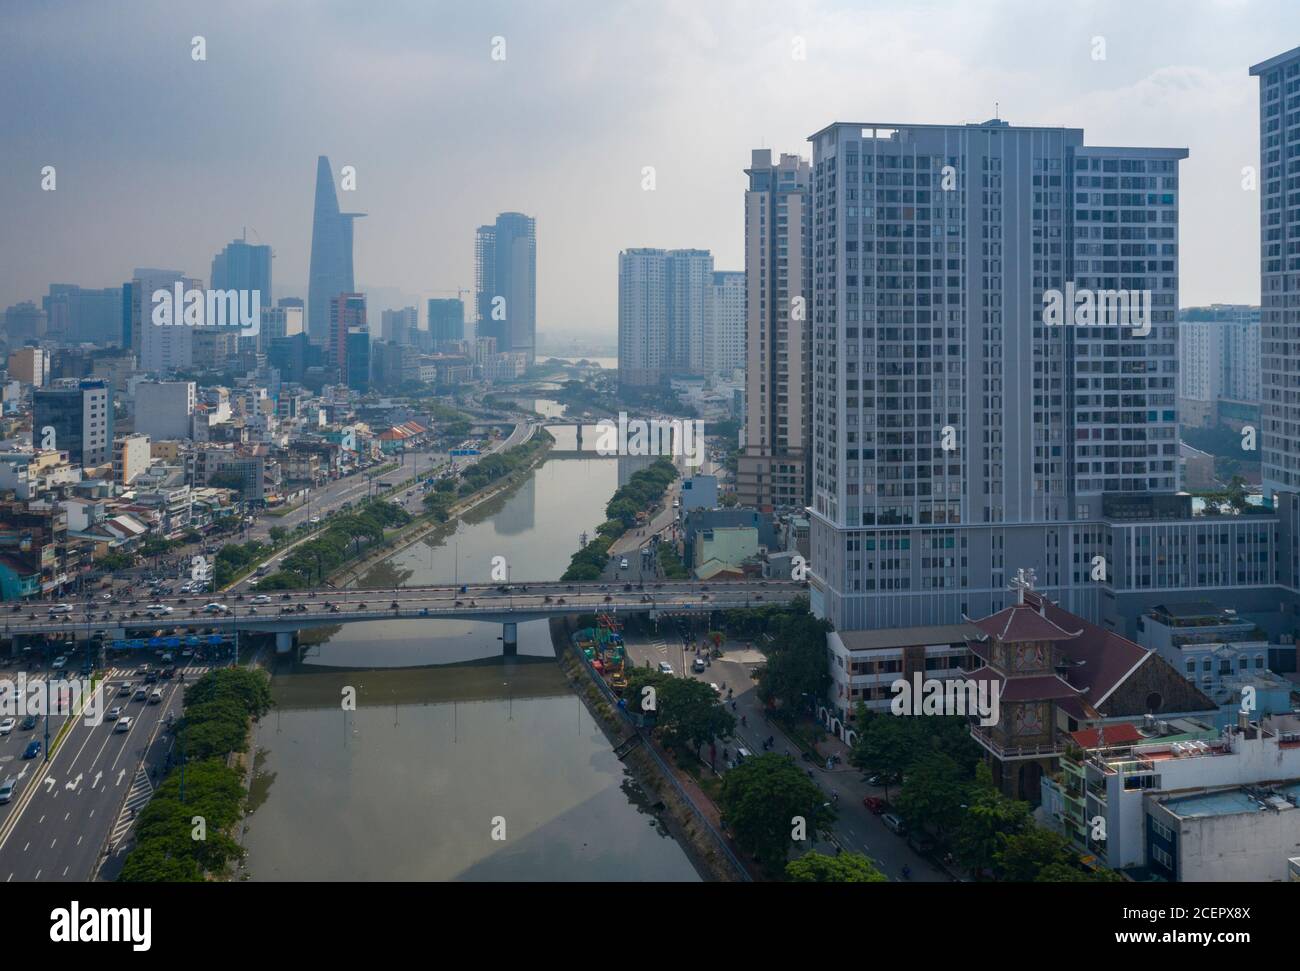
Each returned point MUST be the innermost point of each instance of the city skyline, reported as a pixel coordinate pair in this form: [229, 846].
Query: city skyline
[1153, 85]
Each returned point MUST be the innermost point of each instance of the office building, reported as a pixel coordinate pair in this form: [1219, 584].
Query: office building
[959, 432]
[80, 416]
[446, 321]
[772, 469]
[347, 314]
[399, 325]
[505, 283]
[79, 316]
[331, 254]
[23, 322]
[357, 375]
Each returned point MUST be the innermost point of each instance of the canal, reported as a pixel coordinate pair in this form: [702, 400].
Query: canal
[451, 745]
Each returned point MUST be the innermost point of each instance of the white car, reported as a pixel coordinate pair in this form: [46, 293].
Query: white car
[622, 564]
[159, 609]
[261, 599]
[114, 713]
[215, 608]
[665, 667]
[7, 726]
[123, 724]
[60, 663]
[61, 609]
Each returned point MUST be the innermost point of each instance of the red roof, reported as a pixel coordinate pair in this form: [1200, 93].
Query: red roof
[1121, 734]
[1023, 622]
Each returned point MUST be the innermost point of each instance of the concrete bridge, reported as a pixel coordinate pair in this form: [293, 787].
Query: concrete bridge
[285, 612]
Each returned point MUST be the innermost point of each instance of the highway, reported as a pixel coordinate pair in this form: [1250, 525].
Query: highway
[64, 811]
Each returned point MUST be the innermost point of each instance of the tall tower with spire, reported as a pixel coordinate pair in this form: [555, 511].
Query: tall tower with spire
[331, 254]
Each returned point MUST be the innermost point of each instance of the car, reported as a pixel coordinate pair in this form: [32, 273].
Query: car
[622, 564]
[215, 608]
[7, 725]
[28, 723]
[166, 674]
[894, 823]
[261, 598]
[33, 749]
[7, 790]
[167, 658]
[714, 686]
[159, 610]
[123, 724]
[155, 698]
[60, 663]
[875, 804]
[140, 694]
[151, 677]
[114, 713]
[883, 779]
[665, 667]
[698, 665]
[126, 688]
[61, 609]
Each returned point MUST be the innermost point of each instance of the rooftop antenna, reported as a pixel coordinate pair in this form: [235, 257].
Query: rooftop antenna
[997, 111]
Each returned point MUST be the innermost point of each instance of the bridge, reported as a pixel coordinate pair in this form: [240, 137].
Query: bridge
[283, 613]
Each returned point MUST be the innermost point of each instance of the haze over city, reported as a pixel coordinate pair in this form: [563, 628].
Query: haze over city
[161, 160]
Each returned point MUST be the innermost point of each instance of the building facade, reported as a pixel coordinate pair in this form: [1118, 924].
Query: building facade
[331, 254]
[505, 283]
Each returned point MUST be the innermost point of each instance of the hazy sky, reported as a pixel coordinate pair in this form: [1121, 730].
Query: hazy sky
[161, 160]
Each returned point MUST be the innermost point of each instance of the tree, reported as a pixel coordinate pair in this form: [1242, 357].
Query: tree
[762, 800]
[934, 795]
[690, 714]
[278, 534]
[1030, 851]
[797, 668]
[817, 867]
[989, 821]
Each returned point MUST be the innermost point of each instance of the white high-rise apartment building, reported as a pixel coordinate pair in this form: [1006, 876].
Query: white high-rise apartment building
[1218, 353]
[772, 469]
[725, 323]
[1279, 254]
[162, 348]
[663, 301]
[957, 435]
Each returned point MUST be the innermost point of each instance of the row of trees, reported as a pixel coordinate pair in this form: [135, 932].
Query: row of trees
[644, 488]
[948, 792]
[185, 840]
[343, 538]
[483, 473]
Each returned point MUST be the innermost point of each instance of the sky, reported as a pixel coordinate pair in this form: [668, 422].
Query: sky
[160, 159]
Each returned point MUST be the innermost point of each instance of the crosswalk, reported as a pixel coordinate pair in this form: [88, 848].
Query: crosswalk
[137, 796]
[120, 674]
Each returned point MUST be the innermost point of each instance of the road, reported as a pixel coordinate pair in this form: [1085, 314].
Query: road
[245, 610]
[856, 829]
[64, 811]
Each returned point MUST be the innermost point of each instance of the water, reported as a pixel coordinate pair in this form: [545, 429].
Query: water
[449, 739]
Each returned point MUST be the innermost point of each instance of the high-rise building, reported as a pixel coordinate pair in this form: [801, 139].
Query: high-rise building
[347, 314]
[958, 433]
[772, 470]
[446, 321]
[243, 266]
[724, 324]
[30, 365]
[76, 315]
[358, 359]
[505, 283]
[280, 321]
[1279, 256]
[161, 348]
[399, 325]
[331, 254]
[1218, 362]
[24, 321]
[79, 414]
[663, 300]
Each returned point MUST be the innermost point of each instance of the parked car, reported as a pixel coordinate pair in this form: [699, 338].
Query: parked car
[894, 823]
